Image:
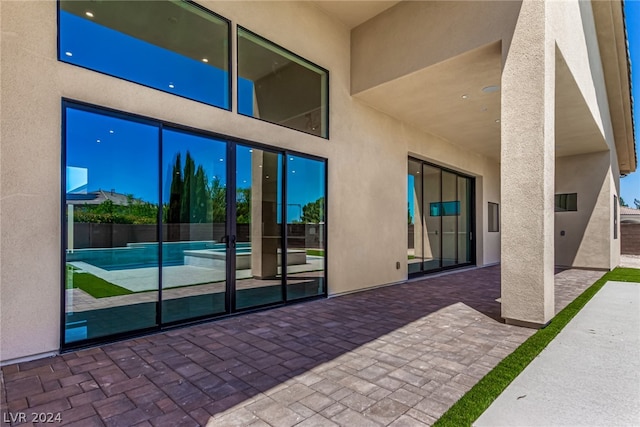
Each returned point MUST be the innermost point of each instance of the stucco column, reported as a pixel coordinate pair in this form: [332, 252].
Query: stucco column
[264, 214]
[527, 170]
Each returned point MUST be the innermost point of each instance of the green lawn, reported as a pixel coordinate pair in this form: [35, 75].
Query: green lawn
[478, 399]
[93, 285]
[315, 252]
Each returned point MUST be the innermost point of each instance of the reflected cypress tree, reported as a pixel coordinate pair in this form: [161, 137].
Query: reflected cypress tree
[200, 208]
[175, 193]
[187, 189]
[218, 198]
[243, 206]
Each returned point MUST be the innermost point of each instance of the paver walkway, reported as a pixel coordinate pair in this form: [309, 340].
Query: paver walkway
[399, 355]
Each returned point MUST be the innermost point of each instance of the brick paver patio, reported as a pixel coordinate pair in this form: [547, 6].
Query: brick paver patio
[399, 356]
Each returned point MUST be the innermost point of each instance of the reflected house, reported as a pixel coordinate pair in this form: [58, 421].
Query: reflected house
[267, 153]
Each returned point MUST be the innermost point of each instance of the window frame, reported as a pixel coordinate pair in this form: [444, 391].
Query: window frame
[295, 55]
[230, 70]
[559, 208]
[232, 143]
[491, 206]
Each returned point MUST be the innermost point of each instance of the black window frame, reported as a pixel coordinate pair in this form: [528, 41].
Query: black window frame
[231, 142]
[327, 91]
[230, 70]
[493, 210]
[561, 199]
[615, 217]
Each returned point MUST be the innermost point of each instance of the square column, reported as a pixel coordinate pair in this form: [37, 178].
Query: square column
[527, 170]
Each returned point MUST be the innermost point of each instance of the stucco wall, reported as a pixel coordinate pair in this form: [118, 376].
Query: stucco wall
[367, 154]
[588, 232]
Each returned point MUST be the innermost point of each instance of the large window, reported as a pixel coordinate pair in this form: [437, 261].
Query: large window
[278, 86]
[173, 46]
[165, 225]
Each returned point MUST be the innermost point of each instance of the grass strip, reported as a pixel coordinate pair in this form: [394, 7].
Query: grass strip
[97, 287]
[315, 252]
[469, 408]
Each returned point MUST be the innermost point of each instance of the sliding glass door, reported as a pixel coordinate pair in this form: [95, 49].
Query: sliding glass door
[194, 267]
[165, 225]
[440, 221]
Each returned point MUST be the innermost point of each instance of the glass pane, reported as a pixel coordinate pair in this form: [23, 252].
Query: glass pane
[279, 87]
[305, 227]
[259, 227]
[414, 217]
[173, 46]
[112, 215]
[464, 220]
[432, 219]
[449, 219]
[494, 217]
[194, 216]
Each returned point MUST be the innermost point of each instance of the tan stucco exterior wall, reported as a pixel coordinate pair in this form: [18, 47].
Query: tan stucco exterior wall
[411, 36]
[367, 154]
[581, 52]
[531, 230]
[588, 232]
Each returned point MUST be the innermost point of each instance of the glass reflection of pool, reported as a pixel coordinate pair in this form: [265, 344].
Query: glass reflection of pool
[206, 254]
[217, 258]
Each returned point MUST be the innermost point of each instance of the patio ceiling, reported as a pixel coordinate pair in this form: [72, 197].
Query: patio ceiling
[459, 100]
[354, 13]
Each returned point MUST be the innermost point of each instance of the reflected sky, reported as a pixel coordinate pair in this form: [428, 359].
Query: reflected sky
[122, 155]
[85, 43]
[118, 154]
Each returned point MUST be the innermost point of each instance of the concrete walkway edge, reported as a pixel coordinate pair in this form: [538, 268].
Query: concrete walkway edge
[589, 375]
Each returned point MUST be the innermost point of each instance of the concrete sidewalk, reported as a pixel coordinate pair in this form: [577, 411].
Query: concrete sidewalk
[589, 375]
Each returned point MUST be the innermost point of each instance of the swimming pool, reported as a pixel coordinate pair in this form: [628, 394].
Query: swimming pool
[145, 255]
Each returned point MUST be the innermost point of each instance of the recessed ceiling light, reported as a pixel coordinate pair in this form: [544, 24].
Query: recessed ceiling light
[222, 160]
[465, 96]
[89, 13]
[171, 86]
[98, 141]
[490, 89]
[68, 53]
[110, 130]
[205, 60]
[267, 177]
[290, 158]
[293, 171]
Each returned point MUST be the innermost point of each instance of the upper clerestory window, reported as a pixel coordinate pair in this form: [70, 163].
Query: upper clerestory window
[171, 45]
[280, 87]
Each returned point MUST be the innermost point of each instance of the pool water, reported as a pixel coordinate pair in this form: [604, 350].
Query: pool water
[145, 255]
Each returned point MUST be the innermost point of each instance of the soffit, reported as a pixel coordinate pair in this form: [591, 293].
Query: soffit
[447, 100]
[354, 13]
[432, 99]
[576, 130]
[612, 41]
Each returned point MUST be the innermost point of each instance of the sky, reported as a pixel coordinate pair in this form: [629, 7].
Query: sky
[630, 185]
